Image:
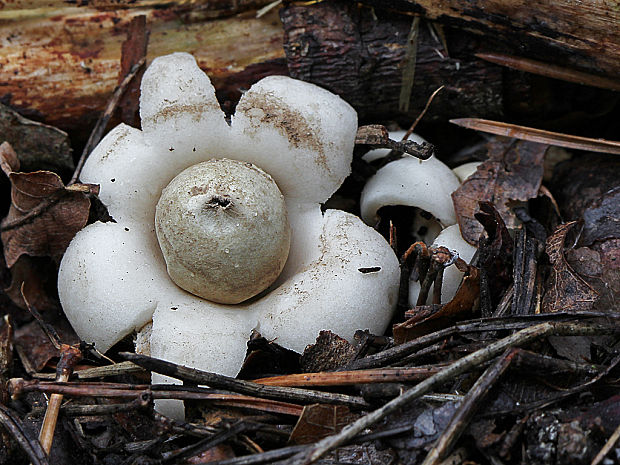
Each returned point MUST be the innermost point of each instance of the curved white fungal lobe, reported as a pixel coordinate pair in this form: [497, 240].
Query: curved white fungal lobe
[223, 230]
[425, 184]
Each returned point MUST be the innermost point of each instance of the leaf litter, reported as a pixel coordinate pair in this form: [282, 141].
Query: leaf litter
[449, 383]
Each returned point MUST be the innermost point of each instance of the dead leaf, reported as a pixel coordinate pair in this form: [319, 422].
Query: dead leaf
[566, 290]
[459, 308]
[214, 454]
[512, 174]
[494, 257]
[39, 146]
[427, 422]
[599, 267]
[38, 276]
[602, 218]
[329, 352]
[44, 214]
[34, 346]
[318, 421]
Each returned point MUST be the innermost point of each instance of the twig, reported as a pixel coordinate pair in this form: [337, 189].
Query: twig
[539, 135]
[394, 354]
[347, 378]
[277, 454]
[611, 442]
[97, 132]
[409, 63]
[116, 369]
[139, 402]
[522, 337]
[204, 444]
[32, 448]
[549, 70]
[18, 386]
[243, 387]
[467, 409]
[422, 113]
[69, 356]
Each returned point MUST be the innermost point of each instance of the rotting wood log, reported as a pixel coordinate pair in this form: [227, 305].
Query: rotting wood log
[359, 54]
[59, 62]
[584, 34]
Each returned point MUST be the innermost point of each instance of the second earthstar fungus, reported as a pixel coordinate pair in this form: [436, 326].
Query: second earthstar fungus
[113, 279]
[427, 186]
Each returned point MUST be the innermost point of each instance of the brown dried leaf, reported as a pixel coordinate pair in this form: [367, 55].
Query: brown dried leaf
[330, 351]
[44, 214]
[494, 257]
[35, 347]
[38, 146]
[459, 308]
[318, 421]
[214, 454]
[512, 174]
[566, 290]
[599, 266]
[602, 218]
[37, 275]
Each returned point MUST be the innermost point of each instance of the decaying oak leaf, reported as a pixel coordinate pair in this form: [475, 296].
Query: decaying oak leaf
[35, 347]
[318, 421]
[38, 145]
[459, 308]
[35, 277]
[566, 290]
[495, 257]
[511, 175]
[329, 352]
[44, 214]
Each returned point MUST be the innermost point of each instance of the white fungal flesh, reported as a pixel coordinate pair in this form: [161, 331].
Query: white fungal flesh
[340, 274]
[300, 134]
[223, 230]
[109, 281]
[425, 184]
[466, 170]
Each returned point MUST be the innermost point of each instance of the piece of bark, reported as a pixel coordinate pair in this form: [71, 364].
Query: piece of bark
[360, 56]
[582, 34]
[62, 64]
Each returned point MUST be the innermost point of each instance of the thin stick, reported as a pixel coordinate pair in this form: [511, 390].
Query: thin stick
[97, 132]
[611, 442]
[409, 62]
[539, 135]
[347, 378]
[467, 409]
[32, 448]
[394, 354]
[243, 387]
[68, 358]
[421, 115]
[522, 337]
[549, 70]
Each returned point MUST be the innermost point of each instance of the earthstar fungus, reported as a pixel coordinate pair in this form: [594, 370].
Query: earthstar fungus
[425, 185]
[113, 279]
